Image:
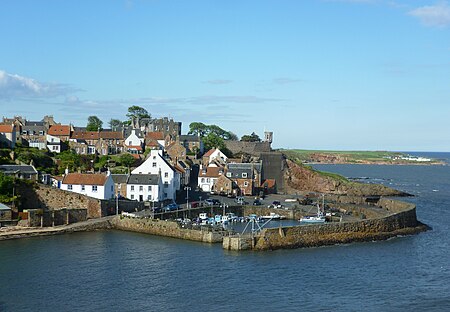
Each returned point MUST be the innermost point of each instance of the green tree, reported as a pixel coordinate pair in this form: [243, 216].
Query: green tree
[68, 159]
[213, 141]
[114, 124]
[6, 188]
[94, 124]
[199, 128]
[137, 112]
[127, 160]
[251, 138]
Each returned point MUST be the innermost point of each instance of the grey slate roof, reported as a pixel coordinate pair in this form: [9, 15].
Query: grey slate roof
[11, 169]
[237, 170]
[119, 178]
[143, 179]
[189, 138]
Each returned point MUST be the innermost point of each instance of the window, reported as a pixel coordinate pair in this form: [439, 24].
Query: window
[154, 157]
[244, 175]
[130, 143]
[229, 174]
[94, 188]
[208, 180]
[83, 188]
[69, 187]
[165, 195]
[245, 183]
[149, 197]
[112, 188]
[132, 188]
[24, 132]
[203, 180]
[132, 196]
[166, 174]
[149, 188]
[41, 132]
[154, 165]
[141, 188]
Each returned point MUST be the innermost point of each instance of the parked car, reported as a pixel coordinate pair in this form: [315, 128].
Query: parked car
[171, 207]
[275, 204]
[256, 202]
[212, 201]
[156, 209]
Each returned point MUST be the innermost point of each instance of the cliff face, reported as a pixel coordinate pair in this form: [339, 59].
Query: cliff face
[300, 178]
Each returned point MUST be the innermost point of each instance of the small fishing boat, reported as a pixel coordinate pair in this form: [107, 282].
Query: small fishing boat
[273, 216]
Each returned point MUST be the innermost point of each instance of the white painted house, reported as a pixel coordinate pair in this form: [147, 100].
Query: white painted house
[145, 187]
[207, 177]
[134, 142]
[100, 186]
[213, 155]
[53, 143]
[156, 164]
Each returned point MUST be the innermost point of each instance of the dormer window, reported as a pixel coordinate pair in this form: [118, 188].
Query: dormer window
[229, 174]
[244, 175]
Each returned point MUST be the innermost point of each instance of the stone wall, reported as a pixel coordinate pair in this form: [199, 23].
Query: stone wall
[164, 228]
[48, 198]
[402, 222]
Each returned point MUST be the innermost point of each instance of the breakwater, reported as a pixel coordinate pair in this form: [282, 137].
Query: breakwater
[85, 226]
[166, 228]
[402, 220]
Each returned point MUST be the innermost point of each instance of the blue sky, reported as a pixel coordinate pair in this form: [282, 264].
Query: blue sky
[320, 74]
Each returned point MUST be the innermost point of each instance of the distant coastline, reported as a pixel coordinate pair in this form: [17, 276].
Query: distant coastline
[315, 157]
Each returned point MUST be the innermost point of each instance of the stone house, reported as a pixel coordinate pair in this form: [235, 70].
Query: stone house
[26, 172]
[193, 143]
[34, 134]
[120, 184]
[100, 186]
[5, 213]
[63, 132]
[165, 125]
[176, 151]
[247, 176]
[8, 136]
[97, 142]
[226, 186]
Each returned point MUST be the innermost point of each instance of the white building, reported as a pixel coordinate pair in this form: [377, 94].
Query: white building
[145, 187]
[8, 135]
[214, 157]
[156, 164]
[53, 144]
[100, 186]
[207, 177]
[134, 143]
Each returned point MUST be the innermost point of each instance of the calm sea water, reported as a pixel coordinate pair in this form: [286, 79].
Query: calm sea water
[120, 271]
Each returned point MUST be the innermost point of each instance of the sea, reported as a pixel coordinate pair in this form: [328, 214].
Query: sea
[124, 271]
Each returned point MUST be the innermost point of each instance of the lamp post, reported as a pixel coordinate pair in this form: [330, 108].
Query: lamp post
[187, 188]
[117, 203]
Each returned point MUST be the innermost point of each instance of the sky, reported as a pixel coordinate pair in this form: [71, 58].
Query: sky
[320, 74]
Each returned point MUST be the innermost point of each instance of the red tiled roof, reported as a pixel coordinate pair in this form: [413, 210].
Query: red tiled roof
[59, 130]
[155, 135]
[6, 128]
[88, 135]
[136, 147]
[209, 153]
[85, 179]
[211, 172]
[152, 143]
[111, 135]
[269, 183]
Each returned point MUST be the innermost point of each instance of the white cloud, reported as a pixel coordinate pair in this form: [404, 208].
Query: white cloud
[437, 15]
[13, 86]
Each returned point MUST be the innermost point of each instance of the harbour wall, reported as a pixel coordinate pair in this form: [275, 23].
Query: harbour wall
[165, 228]
[401, 221]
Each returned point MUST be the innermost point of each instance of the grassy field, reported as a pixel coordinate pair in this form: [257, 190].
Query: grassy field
[347, 156]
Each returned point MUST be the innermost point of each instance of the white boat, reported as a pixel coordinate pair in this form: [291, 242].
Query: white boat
[273, 216]
[319, 218]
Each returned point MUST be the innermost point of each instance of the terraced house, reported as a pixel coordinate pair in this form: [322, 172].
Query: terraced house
[100, 186]
[97, 142]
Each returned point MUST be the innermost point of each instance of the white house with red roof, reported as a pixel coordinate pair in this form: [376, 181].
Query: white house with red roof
[207, 177]
[100, 186]
[157, 164]
[213, 157]
[8, 135]
[134, 143]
